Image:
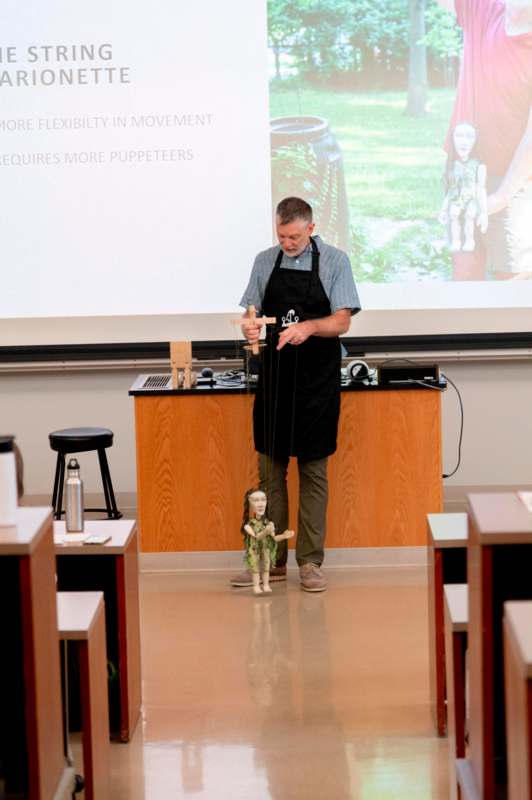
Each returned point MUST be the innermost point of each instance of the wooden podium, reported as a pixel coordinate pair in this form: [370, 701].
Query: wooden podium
[195, 460]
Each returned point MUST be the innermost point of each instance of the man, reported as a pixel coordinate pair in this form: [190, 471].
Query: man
[495, 95]
[308, 286]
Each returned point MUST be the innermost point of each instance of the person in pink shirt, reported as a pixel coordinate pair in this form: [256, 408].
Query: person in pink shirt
[495, 94]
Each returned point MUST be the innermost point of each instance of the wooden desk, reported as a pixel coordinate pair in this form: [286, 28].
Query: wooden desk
[113, 569]
[31, 729]
[195, 460]
[446, 564]
[517, 625]
[499, 568]
[81, 623]
[456, 619]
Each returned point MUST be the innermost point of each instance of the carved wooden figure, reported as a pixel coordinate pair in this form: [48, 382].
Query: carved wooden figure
[181, 359]
[260, 539]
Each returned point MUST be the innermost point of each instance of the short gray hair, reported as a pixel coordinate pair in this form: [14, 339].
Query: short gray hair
[292, 208]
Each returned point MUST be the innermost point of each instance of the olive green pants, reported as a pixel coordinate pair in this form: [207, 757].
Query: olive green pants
[313, 494]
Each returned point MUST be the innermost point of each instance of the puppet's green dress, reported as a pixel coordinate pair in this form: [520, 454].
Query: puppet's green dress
[463, 188]
[255, 550]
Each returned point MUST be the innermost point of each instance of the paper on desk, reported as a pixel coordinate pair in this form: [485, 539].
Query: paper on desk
[526, 499]
[71, 538]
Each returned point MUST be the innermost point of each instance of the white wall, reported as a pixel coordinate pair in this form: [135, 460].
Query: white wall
[497, 446]
[32, 405]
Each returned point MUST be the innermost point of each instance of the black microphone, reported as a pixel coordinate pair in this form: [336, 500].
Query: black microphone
[206, 377]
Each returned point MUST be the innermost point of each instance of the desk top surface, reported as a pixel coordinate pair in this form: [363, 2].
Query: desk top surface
[208, 390]
[120, 530]
[22, 538]
[518, 616]
[456, 600]
[77, 612]
[500, 518]
[448, 530]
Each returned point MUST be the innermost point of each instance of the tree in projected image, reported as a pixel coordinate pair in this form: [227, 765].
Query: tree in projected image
[357, 66]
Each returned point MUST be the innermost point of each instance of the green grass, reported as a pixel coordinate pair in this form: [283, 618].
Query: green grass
[393, 163]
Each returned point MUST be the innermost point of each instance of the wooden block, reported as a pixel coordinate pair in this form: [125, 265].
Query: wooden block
[180, 353]
[181, 359]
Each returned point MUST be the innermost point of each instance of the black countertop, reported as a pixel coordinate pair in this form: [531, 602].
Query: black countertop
[158, 386]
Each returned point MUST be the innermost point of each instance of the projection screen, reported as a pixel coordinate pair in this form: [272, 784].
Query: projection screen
[144, 146]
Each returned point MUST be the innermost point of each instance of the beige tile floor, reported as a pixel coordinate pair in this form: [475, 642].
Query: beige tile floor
[294, 696]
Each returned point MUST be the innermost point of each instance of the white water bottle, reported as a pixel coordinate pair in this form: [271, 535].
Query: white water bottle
[73, 498]
[8, 482]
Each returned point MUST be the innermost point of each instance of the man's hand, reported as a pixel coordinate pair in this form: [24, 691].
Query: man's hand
[333, 325]
[296, 333]
[496, 203]
[482, 222]
[250, 330]
[518, 173]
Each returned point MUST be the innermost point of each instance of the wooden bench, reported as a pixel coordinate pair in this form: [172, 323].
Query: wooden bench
[447, 563]
[517, 628]
[456, 619]
[81, 624]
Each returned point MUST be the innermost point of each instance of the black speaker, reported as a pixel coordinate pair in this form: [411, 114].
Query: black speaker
[406, 373]
[357, 370]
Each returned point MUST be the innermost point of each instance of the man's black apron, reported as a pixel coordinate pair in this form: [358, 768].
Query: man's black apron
[297, 404]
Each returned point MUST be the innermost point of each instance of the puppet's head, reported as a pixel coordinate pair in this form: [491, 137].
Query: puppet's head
[255, 503]
[464, 138]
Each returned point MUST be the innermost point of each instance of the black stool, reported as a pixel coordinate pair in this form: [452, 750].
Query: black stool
[80, 440]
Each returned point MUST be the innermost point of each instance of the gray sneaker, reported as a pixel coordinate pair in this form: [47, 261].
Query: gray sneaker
[311, 578]
[244, 578]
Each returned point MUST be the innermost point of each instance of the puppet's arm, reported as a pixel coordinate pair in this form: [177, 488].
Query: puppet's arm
[268, 530]
[286, 535]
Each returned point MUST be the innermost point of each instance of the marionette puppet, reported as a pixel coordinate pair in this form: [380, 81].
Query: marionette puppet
[465, 204]
[260, 539]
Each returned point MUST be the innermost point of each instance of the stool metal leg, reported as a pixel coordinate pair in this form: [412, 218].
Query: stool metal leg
[59, 481]
[110, 502]
[56, 481]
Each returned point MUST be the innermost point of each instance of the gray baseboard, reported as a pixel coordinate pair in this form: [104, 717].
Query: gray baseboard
[335, 558]
[455, 500]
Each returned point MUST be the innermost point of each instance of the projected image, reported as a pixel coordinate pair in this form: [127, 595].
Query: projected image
[405, 125]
